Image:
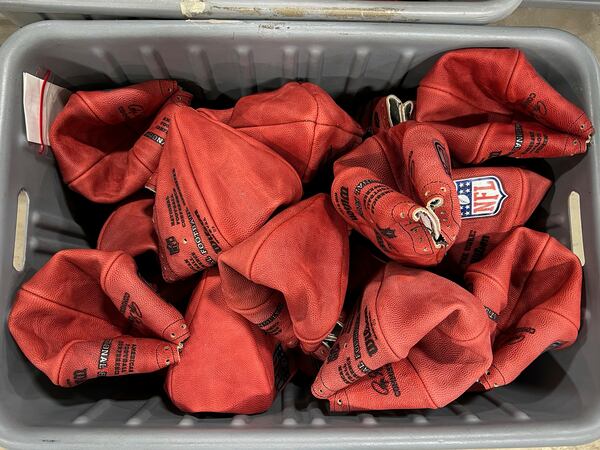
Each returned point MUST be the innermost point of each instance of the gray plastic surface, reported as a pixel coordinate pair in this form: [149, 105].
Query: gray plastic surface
[557, 402]
[475, 12]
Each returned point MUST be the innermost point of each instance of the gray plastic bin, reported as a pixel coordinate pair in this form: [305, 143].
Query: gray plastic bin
[475, 12]
[556, 402]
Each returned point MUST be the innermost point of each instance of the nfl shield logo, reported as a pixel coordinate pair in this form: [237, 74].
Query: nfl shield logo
[480, 197]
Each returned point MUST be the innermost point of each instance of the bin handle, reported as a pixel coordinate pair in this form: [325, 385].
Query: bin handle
[477, 12]
[575, 226]
[460, 12]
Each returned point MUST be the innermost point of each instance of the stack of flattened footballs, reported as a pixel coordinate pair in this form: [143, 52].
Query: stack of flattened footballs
[226, 274]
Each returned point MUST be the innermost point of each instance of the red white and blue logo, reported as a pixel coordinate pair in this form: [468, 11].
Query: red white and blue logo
[480, 196]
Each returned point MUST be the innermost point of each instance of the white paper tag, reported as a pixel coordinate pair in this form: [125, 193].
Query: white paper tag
[54, 100]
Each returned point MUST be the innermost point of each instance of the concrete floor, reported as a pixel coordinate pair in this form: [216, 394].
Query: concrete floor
[582, 23]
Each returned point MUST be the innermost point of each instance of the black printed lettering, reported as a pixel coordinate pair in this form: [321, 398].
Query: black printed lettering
[355, 343]
[379, 197]
[358, 207]
[372, 193]
[342, 376]
[363, 367]
[117, 369]
[359, 187]
[79, 376]
[170, 210]
[195, 233]
[464, 258]
[273, 316]
[179, 217]
[154, 137]
[132, 358]
[104, 353]
[480, 251]
[133, 110]
[347, 373]
[345, 200]
[135, 314]
[212, 240]
[196, 261]
[380, 242]
[351, 370]
[368, 335]
[389, 233]
[336, 202]
[274, 330]
[392, 376]
[176, 181]
[124, 303]
[531, 142]
[519, 137]
[379, 383]
[125, 358]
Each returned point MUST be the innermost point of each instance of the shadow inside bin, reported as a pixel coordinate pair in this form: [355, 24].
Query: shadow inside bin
[30, 383]
[544, 388]
[88, 215]
[533, 392]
